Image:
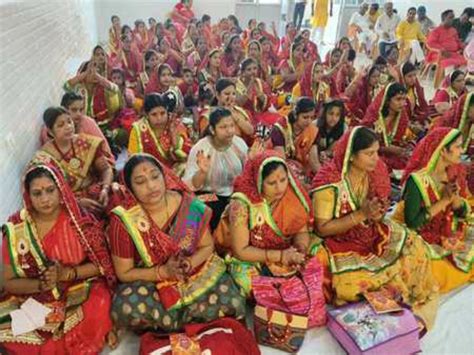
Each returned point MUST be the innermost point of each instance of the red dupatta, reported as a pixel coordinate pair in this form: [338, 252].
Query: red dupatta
[318, 91]
[361, 98]
[421, 111]
[458, 118]
[271, 228]
[362, 239]
[28, 259]
[154, 84]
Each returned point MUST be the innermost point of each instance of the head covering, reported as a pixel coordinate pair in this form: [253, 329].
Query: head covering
[306, 81]
[419, 92]
[457, 118]
[88, 229]
[154, 84]
[250, 183]
[337, 169]
[427, 153]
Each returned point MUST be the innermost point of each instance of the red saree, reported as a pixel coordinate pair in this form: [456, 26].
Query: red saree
[318, 91]
[361, 99]
[82, 307]
[417, 107]
[392, 133]
[130, 62]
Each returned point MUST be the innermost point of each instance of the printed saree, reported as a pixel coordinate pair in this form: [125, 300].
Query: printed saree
[371, 255]
[77, 306]
[450, 234]
[319, 91]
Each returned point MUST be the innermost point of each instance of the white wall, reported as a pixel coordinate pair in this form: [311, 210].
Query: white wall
[129, 11]
[41, 43]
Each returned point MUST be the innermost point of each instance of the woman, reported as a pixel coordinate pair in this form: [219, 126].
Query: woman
[182, 13]
[226, 95]
[188, 45]
[82, 158]
[55, 253]
[287, 41]
[206, 97]
[311, 49]
[233, 55]
[172, 57]
[331, 125]
[215, 161]
[312, 85]
[254, 51]
[161, 82]
[163, 255]
[269, 56]
[368, 252]
[295, 138]
[452, 87]
[361, 93]
[140, 35]
[345, 72]
[211, 68]
[291, 69]
[160, 134]
[418, 108]
[196, 57]
[387, 115]
[278, 242]
[114, 35]
[435, 206]
[254, 95]
[101, 60]
[129, 58]
[151, 60]
[102, 97]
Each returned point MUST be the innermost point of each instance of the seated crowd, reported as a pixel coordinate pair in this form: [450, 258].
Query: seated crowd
[245, 154]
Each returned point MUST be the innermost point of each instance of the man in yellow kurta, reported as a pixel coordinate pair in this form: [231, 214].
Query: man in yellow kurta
[322, 9]
[410, 36]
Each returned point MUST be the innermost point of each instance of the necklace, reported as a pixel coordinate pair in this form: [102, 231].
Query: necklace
[74, 163]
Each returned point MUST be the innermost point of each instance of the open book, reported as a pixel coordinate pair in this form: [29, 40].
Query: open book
[30, 316]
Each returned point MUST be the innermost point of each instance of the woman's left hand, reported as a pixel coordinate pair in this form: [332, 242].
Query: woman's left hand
[257, 148]
[104, 196]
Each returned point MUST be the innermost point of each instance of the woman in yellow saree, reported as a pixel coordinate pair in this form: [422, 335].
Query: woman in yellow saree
[367, 251]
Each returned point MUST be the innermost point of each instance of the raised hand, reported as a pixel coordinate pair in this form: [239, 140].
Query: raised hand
[203, 161]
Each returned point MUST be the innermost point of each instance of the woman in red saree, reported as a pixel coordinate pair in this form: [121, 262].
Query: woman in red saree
[452, 88]
[418, 109]
[115, 31]
[151, 60]
[435, 205]
[361, 92]
[190, 38]
[287, 41]
[140, 35]
[162, 81]
[278, 241]
[211, 68]
[160, 135]
[367, 251]
[129, 59]
[272, 37]
[388, 116]
[56, 253]
[254, 94]
[346, 72]
[269, 57]
[254, 51]
[313, 85]
[233, 55]
[295, 138]
[290, 70]
[163, 254]
[311, 49]
[83, 159]
[197, 57]
[182, 14]
[331, 67]
[172, 56]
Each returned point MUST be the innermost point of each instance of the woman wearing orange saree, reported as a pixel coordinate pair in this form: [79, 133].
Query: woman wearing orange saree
[388, 116]
[278, 240]
[163, 254]
[313, 85]
[368, 251]
[295, 138]
[82, 158]
[254, 95]
[55, 253]
[160, 135]
[435, 205]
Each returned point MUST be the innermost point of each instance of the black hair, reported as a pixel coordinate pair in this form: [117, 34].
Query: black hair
[232, 38]
[393, 90]
[162, 68]
[205, 92]
[98, 47]
[271, 167]
[303, 105]
[215, 117]
[36, 173]
[223, 83]
[253, 31]
[246, 62]
[139, 21]
[445, 14]
[380, 61]
[250, 21]
[132, 163]
[454, 75]
[469, 11]
[118, 71]
[114, 17]
[351, 55]
[69, 97]
[411, 9]
[234, 19]
[156, 100]
[187, 70]
[289, 24]
[149, 54]
[124, 28]
[51, 114]
[263, 39]
[374, 5]
[337, 131]
[151, 18]
[363, 138]
[205, 18]
[407, 68]
[372, 70]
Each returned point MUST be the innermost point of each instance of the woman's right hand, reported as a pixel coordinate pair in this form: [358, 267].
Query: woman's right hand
[292, 256]
[203, 161]
[373, 209]
[173, 270]
[90, 205]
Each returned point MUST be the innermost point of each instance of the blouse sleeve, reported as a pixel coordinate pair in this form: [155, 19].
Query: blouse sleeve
[416, 215]
[324, 202]
[5, 252]
[121, 243]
